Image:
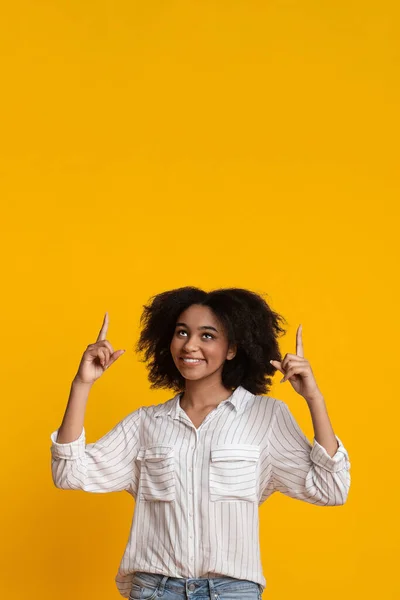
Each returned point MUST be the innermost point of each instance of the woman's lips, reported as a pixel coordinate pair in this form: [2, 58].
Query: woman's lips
[193, 364]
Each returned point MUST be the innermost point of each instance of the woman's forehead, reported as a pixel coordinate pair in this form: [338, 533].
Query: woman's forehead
[196, 313]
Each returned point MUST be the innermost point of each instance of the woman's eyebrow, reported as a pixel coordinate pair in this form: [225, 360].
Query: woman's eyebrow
[202, 327]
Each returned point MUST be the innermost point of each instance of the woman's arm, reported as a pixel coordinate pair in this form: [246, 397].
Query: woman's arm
[323, 431]
[320, 473]
[74, 416]
[107, 465]
[300, 470]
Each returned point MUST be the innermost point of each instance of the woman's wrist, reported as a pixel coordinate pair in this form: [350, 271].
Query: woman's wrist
[78, 383]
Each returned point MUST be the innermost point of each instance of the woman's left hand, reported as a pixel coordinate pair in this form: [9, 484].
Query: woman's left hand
[297, 370]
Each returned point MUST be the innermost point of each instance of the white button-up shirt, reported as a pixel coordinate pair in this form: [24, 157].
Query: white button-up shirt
[197, 491]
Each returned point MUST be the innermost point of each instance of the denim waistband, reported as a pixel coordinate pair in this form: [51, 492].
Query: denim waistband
[180, 583]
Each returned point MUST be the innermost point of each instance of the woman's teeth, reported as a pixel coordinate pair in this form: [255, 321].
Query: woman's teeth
[193, 361]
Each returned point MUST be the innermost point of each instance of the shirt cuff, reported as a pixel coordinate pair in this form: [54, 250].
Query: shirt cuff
[337, 462]
[71, 450]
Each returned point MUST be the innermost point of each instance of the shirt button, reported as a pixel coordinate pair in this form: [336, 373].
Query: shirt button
[190, 469]
[190, 514]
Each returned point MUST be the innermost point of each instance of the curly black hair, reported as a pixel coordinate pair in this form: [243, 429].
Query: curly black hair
[248, 320]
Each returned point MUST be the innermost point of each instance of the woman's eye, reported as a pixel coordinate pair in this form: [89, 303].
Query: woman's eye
[183, 331]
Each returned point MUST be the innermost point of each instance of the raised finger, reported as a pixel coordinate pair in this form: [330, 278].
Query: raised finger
[299, 341]
[103, 330]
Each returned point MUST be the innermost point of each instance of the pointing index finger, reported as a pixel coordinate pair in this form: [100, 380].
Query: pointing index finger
[299, 342]
[103, 331]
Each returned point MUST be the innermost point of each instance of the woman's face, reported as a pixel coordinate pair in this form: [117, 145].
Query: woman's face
[198, 335]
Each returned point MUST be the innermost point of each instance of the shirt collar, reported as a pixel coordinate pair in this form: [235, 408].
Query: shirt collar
[239, 398]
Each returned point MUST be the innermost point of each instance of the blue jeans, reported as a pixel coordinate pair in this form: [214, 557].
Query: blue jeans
[150, 586]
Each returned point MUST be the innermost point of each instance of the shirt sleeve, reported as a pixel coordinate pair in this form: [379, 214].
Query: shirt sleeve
[300, 470]
[107, 465]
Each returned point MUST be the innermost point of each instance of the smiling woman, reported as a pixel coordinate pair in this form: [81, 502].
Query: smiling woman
[200, 464]
[233, 331]
[192, 347]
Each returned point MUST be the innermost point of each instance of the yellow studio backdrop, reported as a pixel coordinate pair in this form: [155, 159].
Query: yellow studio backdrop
[151, 145]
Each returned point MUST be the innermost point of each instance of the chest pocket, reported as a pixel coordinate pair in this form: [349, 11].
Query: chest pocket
[157, 473]
[233, 472]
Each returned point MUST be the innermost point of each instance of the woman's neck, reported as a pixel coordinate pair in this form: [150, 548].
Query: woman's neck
[199, 396]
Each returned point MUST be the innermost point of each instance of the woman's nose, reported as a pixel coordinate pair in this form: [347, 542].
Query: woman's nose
[190, 345]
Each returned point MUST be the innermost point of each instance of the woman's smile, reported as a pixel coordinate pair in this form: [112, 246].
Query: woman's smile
[192, 362]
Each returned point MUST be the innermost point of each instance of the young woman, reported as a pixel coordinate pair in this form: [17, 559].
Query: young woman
[200, 464]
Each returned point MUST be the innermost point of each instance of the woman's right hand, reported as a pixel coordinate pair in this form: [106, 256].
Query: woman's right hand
[97, 357]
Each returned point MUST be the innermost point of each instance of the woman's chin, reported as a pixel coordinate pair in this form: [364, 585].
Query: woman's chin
[191, 376]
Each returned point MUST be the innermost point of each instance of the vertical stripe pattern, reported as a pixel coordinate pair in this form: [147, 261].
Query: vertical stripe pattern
[197, 490]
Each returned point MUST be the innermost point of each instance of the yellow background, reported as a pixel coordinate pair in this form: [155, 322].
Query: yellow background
[151, 145]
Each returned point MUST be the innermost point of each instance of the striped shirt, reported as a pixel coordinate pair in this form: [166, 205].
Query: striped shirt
[197, 491]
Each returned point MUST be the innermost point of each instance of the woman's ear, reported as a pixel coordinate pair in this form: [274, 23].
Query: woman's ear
[231, 352]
